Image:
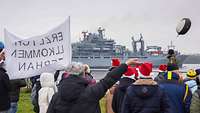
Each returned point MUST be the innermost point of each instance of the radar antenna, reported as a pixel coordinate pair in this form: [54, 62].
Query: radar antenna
[171, 46]
[84, 34]
[101, 30]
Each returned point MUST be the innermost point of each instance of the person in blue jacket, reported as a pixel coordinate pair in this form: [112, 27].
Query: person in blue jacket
[144, 95]
[179, 93]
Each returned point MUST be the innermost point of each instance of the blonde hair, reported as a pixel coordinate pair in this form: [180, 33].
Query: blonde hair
[87, 68]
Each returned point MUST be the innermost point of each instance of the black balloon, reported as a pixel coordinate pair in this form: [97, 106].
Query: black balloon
[183, 26]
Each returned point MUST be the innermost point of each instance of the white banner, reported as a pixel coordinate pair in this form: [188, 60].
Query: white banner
[45, 53]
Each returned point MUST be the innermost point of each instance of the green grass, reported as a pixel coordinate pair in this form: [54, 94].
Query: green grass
[25, 106]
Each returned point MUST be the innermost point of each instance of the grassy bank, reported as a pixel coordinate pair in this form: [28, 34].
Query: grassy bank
[25, 106]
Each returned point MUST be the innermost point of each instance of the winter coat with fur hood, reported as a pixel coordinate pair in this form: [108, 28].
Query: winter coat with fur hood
[46, 92]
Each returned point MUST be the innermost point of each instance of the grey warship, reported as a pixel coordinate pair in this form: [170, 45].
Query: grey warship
[97, 51]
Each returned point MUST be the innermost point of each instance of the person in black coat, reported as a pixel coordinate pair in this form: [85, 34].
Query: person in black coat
[76, 96]
[14, 93]
[144, 95]
[4, 90]
[36, 86]
[4, 84]
[127, 79]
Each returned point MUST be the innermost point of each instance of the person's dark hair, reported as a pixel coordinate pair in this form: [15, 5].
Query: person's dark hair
[1, 49]
[170, 53]
[172, 63]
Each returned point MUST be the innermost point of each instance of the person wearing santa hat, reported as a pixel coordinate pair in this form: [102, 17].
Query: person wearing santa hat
[161, 71]
[76, 96]
[115, 62]
[144, 95]
[127, 79]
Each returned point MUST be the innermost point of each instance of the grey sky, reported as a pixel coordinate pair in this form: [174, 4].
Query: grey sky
[156, 19]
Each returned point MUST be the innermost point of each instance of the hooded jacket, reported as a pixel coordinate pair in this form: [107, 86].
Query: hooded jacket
[4, 90]
[178, 93]
[119, 93]
[76, 96]
[145, 96]
[46, 92]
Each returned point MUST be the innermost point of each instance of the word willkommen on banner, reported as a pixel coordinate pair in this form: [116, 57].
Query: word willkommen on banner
[45, 53]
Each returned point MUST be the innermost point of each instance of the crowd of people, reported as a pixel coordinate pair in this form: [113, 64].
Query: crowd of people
[130, 87]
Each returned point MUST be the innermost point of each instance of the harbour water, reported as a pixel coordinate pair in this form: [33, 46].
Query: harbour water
[100, 73]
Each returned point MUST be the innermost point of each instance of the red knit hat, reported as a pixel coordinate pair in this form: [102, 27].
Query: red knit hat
[131, 73]
[115, 62]
[162, 67]
[145, 69]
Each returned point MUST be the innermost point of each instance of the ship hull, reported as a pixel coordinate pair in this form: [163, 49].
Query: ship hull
[105, 62]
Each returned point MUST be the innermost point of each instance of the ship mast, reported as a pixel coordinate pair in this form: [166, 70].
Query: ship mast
[84, 34]
[141, 42]
[134, 45]
[100, 30]
[171, 46]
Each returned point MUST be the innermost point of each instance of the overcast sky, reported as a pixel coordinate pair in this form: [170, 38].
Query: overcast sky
[155, 19]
